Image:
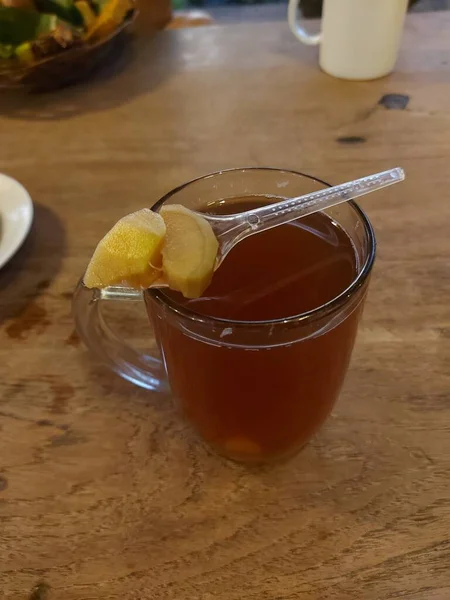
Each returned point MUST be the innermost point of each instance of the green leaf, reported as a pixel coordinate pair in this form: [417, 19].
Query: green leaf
[64, 9]
[17, 25]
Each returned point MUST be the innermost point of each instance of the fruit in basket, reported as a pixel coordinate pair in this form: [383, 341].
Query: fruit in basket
[25, 53]
[34, 29]
[110, 17]
[64, 9]
[19, 25]
[87, 12]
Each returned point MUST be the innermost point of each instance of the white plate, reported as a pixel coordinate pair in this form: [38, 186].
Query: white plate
[16, 216]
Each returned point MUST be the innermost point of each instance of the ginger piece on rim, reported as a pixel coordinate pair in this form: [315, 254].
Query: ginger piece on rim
[130, 253]
[189, 251]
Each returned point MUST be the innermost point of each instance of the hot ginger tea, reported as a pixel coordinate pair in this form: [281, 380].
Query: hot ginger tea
[257, 390]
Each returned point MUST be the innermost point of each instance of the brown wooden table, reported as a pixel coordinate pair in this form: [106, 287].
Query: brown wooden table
[104, 493]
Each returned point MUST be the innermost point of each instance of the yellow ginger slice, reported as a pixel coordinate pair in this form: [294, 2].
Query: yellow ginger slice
[130, 253]
[189, 252]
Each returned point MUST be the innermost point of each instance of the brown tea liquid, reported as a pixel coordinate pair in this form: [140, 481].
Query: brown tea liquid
[285, 271]
[255, 403]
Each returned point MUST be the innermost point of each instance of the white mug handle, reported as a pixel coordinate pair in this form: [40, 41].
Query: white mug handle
[299, 32]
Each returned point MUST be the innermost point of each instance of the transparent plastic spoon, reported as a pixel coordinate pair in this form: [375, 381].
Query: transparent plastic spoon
[232, 229]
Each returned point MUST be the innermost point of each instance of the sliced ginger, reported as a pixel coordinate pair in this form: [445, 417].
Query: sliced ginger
[176, 246]
[189, 251]
[129, 253]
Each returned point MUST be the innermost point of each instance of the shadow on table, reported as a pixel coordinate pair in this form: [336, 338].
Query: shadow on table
[31, 271]
[133, 72]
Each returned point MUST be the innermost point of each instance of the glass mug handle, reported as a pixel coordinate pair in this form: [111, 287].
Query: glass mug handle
[144, 370]
[299, 31]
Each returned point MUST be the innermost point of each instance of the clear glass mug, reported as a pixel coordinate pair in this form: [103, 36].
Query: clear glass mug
[293, 367]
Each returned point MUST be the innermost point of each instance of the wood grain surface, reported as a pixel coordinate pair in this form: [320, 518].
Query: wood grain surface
[104, 492]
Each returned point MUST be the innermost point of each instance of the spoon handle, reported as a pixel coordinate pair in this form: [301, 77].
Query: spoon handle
[285, 211]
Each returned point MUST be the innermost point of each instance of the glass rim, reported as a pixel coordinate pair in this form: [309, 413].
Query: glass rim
[307, 316]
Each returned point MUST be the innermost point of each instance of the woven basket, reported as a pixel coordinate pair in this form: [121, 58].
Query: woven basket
[65, 68]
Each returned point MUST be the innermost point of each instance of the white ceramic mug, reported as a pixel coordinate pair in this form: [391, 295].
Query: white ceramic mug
[359, 39]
